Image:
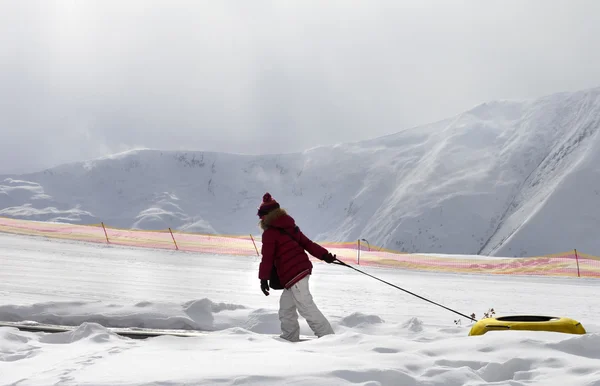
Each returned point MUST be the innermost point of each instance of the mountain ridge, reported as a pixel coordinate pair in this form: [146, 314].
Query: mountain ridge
[474, 183]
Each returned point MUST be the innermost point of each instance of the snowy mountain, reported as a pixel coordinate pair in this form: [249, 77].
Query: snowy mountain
[504, 178]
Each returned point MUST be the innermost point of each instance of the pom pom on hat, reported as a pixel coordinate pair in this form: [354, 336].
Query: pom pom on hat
[267, 206]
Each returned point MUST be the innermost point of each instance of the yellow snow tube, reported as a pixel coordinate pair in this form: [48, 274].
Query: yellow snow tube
[527, 322]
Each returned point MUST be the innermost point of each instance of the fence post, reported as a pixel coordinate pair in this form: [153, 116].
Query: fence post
[252, 238]
[577, 260]
[358, 252]
[105, 234]
[176, 247]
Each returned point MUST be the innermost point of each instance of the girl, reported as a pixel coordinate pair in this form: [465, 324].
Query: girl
[284, 247]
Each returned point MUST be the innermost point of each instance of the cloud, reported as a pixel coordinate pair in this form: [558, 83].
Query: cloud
[83, 79]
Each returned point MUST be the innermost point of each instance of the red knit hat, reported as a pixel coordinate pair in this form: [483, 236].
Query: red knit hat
[268, 205]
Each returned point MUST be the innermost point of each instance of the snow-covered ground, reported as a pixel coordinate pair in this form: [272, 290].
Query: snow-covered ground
[491, 180]
[383, 336]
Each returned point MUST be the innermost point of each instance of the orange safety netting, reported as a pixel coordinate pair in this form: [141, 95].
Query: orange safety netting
[563, 264]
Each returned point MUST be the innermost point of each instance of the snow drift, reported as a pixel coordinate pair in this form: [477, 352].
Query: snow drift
[382, 336]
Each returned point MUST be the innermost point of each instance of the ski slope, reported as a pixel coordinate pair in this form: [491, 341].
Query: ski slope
[383, 336]
[506, 178]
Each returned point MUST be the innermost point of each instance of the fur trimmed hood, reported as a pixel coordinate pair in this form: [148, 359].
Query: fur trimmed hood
[267, 221]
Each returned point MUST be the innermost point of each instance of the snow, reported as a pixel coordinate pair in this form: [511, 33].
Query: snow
[504, 179]
[488, 181]
[383, 336]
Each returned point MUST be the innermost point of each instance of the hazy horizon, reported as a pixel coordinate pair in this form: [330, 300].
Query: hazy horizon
[86, 79]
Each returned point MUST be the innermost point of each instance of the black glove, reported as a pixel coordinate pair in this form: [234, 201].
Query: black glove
[264, 286]
[329, 258]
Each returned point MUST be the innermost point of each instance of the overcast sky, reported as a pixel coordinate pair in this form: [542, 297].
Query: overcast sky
[81, 79]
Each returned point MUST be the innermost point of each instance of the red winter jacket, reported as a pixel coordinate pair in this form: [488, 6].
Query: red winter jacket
[291, 260]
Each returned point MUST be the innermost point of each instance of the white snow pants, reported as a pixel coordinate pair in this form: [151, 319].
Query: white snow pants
[299, 297]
